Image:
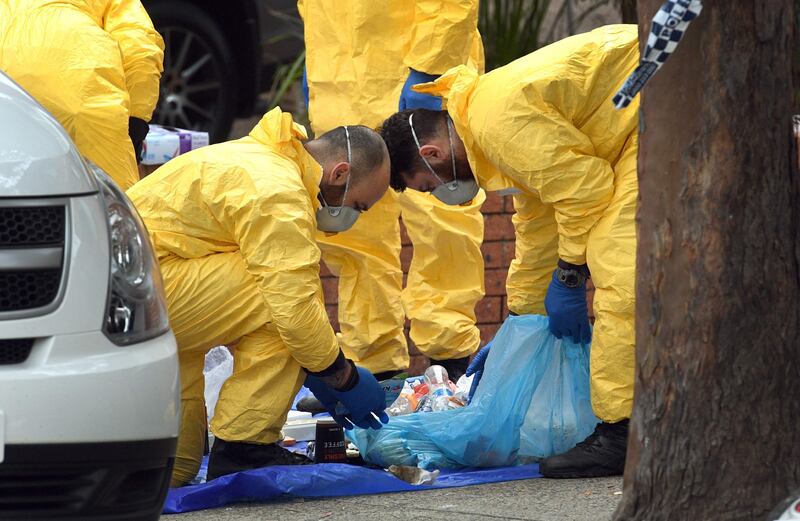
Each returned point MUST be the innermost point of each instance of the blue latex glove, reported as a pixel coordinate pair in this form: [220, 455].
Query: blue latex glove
[476, 368]
[568, 312]
[304, 86]
[353, 407]
[416, 100]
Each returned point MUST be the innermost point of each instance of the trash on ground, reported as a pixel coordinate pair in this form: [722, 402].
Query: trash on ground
[532, 402]
[414, 475]
[431, 392]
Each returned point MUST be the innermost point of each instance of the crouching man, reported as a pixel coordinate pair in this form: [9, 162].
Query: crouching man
[233, 225]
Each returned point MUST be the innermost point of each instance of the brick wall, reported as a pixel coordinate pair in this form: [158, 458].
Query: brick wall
[498, 250]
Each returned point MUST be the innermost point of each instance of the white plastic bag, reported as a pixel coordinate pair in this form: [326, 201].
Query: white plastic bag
[218, 367]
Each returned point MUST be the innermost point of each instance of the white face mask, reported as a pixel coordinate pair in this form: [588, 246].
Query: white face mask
[454, 192]
[335, 219]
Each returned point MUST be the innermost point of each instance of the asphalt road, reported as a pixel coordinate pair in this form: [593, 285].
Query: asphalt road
[530, 500]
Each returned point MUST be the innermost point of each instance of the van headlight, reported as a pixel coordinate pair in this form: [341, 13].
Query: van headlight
[135, 309]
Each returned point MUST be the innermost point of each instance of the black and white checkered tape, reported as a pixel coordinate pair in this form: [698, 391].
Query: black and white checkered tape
[668, 27]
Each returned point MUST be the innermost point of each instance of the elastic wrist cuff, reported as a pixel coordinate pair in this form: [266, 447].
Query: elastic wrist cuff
[352, 381]
[582, 268]
[137, 129]
[338, 365]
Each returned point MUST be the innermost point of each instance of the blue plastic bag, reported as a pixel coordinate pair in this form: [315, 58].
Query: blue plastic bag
[532, 402]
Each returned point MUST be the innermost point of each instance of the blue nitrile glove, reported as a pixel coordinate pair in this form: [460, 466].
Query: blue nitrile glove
[357, 404]
[409, 99]
[476, 368]
[304, 86]
[568, 312]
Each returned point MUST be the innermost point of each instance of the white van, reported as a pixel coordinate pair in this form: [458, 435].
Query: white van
[89, 392]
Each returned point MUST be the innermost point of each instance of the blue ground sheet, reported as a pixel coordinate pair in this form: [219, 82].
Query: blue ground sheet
[319, 481]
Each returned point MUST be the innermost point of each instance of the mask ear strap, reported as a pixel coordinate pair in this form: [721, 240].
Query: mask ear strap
[350, 164]
[336, 210]
[419, 148]
[454, 182]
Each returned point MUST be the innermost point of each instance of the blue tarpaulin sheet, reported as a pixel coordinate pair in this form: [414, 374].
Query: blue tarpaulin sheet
[323, 480]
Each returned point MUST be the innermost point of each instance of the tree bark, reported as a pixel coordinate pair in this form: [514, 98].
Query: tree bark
[715, 431]
[628, 10]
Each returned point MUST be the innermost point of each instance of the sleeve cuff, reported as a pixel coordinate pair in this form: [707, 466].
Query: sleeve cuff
[338, 366]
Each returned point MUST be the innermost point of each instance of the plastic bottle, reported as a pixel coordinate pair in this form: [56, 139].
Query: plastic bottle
[400, 407]
[406, 403]
[438, 388]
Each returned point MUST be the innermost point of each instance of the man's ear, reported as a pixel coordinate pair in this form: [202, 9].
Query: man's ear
[339, 174]
[431, 152]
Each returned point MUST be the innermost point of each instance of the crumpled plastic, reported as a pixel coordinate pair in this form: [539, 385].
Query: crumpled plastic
[532, 402]
[218, 367]
[414, 475]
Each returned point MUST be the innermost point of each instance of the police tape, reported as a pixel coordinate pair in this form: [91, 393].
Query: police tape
[668, 27]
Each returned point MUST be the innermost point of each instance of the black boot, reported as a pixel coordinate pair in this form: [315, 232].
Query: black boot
[456, 367]
[228, 457]
[601, 454]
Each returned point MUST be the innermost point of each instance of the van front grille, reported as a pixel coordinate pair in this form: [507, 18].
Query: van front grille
[32, 255]
[15, 351]
[28, 289]
[31, 226]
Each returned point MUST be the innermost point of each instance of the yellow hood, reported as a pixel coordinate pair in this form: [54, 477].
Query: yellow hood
[278, 131]
[455, 87]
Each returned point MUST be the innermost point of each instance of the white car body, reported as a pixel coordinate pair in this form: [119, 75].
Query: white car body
[89, 424]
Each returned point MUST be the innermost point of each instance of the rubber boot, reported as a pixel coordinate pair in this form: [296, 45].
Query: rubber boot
[228, 457]
[601, 454]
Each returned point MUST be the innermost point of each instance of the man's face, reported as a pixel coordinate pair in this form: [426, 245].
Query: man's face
[364, 191]
[422, 180]
[368, 189]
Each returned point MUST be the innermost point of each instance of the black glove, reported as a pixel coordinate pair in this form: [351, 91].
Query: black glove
[137, 130]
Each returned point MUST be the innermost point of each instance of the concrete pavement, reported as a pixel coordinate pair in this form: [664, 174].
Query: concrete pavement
[530, 500]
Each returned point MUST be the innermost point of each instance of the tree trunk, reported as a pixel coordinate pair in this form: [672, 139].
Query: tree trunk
[715, 432]
[628, 9]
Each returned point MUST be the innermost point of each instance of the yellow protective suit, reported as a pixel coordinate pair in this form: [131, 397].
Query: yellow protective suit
[234, 229]
[92, 64]
[545, 126]
[358, 55]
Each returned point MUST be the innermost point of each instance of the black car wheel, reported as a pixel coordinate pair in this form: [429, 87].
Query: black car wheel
[199, 83]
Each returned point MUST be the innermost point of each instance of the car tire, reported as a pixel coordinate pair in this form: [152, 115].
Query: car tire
[200, 82]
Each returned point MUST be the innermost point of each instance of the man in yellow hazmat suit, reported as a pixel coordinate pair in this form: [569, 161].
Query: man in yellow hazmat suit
[544, 127]
[234, 228]
[95, 65]
[362, 56]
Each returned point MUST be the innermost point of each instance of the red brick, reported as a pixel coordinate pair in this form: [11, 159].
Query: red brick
[509, 205]
[493, 204]
[330, 287]
[497, 227]
[492, 254]
[405, 257]
[495, 282]
[404, 238]
[333, 316]
[497, 254]
[489, 310]
[324, 271]
[487, 332]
